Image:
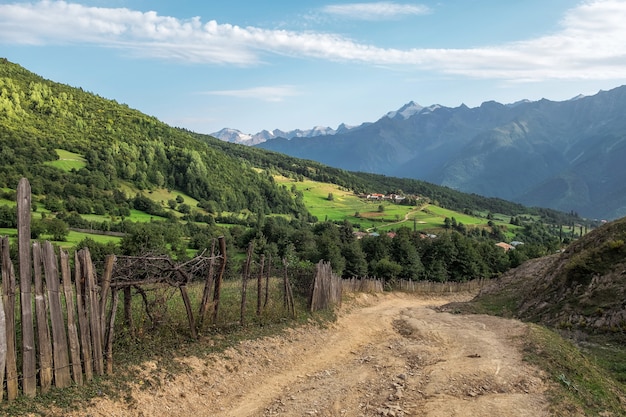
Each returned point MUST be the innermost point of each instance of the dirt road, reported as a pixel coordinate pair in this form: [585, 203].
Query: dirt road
[387, 355]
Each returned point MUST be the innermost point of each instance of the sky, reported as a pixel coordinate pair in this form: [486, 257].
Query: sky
[253, 65]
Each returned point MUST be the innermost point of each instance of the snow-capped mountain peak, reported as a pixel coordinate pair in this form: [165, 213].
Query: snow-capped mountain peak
[405, 111]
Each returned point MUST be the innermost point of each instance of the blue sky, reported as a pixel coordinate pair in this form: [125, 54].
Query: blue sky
[253, 65]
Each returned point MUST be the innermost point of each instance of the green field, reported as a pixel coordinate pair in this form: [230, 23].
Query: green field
[68, 161]
[345, 205]
[72, 239]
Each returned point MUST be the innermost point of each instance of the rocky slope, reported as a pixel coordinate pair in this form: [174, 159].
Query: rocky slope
[582, 289]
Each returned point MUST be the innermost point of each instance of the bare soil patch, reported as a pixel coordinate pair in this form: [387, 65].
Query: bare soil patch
[387, 355]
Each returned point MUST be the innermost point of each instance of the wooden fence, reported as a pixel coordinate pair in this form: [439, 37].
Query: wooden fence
[327, 288]
[62, 343]
[57, 327]
[362, 285]
[431, 287]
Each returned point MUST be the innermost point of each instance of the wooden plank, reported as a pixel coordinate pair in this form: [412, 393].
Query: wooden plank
[43, 330]
[192, 324]
[62, 377]
[267, 281]
[105, 286]
[110, 332]
[259, 286]
[3, 338]
[83, 321]
[95, 320]
[72, 330]
[244, 283]
[208, 283]
[29, 373]
[128, 312]
[218, 281]
[8, 295]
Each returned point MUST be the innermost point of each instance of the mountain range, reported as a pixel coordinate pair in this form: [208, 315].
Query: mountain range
[237, 136]
[565, 155]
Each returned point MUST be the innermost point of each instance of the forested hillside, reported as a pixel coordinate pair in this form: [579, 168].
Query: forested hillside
[119, 144]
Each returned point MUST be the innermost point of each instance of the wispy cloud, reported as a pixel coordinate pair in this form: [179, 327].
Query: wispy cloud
[590, 42]
[375, 11]
[264, 93]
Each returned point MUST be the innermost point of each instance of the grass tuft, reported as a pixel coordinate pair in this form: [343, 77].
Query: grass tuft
[581, 387]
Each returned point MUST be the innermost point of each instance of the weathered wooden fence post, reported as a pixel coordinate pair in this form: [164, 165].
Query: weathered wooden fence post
[288, 294]
[91, 292]
[105, 286]
[208, 283]
[72, 331]
[267, 281]
[110, 332]
[244, 282]
[43, 331]
[8, 286]
[3, 344]
[62, 376]
[29, 373]
[259, 285]
[83, 320]
[218, 282]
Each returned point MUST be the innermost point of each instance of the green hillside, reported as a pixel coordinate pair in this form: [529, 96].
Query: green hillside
[118, 144]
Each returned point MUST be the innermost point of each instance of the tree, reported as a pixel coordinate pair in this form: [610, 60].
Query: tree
[405, 254]
[356, 264]
[387, 269]
[58, 229]
[330, 197]
[144, 238]
[329, 249]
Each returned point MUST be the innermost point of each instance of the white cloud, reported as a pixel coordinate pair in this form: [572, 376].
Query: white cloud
[264, 93]
[590, 42]
[375, 11]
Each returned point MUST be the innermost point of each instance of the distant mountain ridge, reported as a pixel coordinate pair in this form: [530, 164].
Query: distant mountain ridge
[237, 136]
[565, 155]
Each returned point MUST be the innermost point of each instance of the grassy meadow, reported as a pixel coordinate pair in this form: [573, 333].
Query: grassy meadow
[68, 161]
[367, 215]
